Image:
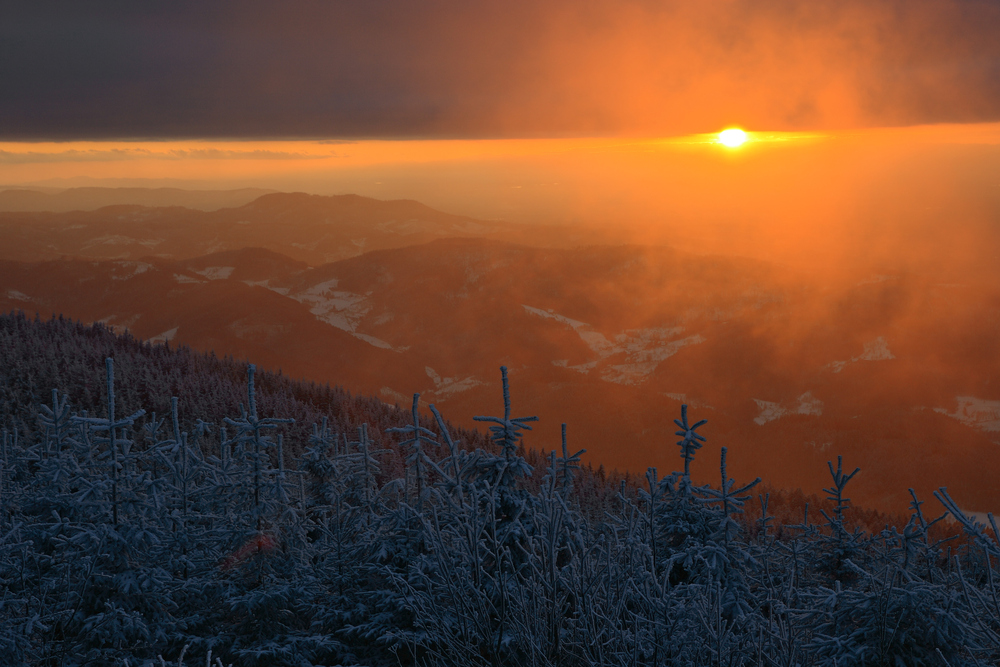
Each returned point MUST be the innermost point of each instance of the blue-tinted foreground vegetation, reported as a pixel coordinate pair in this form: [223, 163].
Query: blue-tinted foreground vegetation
[354, 536]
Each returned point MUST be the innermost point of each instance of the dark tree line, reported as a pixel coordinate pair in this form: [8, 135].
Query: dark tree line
[266, 522]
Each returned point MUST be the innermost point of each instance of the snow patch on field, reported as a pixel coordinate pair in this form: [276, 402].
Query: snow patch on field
[217, 272]
[683, 398]
[343, 310]
[384, 318]
[186, 280]
[643, 359]
[118, 239]
[117, 323]
[126, 270]
[283, 291]
[377, 342]
[444, 387]
[396, 397]
[551, 315]
[17, 296]
[167, 335]
[976, 412]
[770, 411]
[875, 350]
[644, 349]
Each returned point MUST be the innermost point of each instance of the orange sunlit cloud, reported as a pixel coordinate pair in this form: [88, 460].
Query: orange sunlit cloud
[554, 68]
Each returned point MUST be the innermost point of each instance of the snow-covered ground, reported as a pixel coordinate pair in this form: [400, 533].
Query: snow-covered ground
[444, 387]
[167, 335]
[267, 284]
[644, 349]
[769, 411]
[976, 412]
[126, 270]
[343, 310]
[118, 239]
[874, 350]
[642, 361]
[217, 272]
[684, 398]
[340, 309]
[17, 296]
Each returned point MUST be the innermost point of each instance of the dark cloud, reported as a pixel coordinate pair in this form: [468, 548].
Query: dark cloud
[490, 69]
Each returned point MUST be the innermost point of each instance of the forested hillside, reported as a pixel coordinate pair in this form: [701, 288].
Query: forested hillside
[157, 501]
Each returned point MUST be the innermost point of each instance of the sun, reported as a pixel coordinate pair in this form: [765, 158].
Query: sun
[732, 138]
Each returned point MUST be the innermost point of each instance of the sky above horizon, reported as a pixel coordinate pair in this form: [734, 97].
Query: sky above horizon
[487, 70]
[869, 120]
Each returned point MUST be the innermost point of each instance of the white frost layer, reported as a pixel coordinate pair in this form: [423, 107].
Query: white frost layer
[447, 386]
[217, 272]
[976, 412]
[769, 411]
[186, 280]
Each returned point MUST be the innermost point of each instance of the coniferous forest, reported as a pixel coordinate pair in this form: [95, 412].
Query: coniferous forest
[161, 505]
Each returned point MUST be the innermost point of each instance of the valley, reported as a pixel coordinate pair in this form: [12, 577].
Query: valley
[895, 373]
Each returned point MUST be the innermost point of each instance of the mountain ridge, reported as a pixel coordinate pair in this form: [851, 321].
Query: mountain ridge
[629, 331]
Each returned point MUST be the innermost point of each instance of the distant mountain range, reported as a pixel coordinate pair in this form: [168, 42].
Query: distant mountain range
[308, 228]
[93, 198]
[896, 373]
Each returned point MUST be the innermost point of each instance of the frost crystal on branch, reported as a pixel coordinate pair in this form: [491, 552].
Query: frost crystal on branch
[507, 432]
[690, 441]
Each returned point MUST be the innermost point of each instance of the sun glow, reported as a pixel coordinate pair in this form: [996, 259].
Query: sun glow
[732, 138]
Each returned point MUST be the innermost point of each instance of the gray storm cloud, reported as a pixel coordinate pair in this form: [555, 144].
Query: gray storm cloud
[390, 68]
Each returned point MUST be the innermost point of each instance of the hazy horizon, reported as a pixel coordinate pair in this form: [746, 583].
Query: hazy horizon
[872, 156]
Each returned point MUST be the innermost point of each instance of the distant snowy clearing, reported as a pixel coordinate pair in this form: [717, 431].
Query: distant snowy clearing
[644, 349]
[976, 412]
[769, 411]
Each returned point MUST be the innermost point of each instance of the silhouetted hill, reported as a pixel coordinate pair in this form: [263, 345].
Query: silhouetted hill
[93, 198]
[307, 228]
[38, 356]
[895, 373]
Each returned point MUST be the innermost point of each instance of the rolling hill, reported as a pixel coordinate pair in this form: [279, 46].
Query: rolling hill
[895, 373]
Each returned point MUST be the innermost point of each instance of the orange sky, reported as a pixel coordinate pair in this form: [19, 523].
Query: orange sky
[488, 69]
[600, 111]
[779, 195]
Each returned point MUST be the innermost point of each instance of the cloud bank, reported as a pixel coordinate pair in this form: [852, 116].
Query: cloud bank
[389, 68]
